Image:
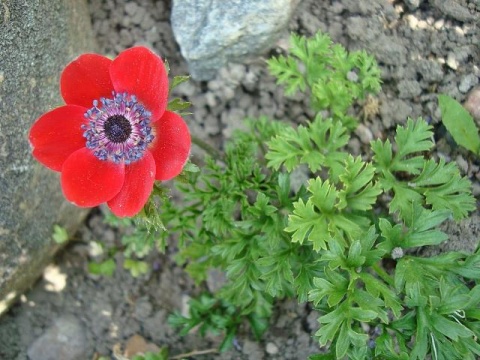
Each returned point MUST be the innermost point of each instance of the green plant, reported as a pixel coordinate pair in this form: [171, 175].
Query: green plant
[215, 316]
[327, 241]
[60, 234]
[459, 124]
[161, 355]
[334, 77]
[106, 267]
[135, 245]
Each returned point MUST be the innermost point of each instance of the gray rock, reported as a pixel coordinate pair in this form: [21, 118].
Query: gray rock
[462, 236]
[65, 340]
[408, 89]
[360, 29]
[430, 70]
[413, 4]
[454, 9]
[154, 327]
[389, 50]
[253, 350]
[37, 39]
[143, 309]
[472, 104]
[131, 8]
[394, 112]
[467, 82]
[271, 348]
[215, 32]
[364, 133]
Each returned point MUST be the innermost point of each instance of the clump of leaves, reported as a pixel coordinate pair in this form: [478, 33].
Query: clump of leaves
[334, 77]
[327, 240]
[215, 316]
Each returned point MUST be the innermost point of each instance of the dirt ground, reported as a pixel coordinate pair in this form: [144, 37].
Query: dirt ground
[422, 50]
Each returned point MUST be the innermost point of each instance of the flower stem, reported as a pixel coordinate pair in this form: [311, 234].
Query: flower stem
[209, 149]
[195, 352]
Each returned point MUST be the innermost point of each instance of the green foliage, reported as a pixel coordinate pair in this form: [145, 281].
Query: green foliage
[318, 145]
[211, 315]
[144, 231]
[238, 209]
[178, 105]
[412, 179]
[105, 268]
[459, 124]
[234, 222]
[160, 355]
[333, 77]
[60, 234]
[177, 80]
[445, 310]
[136, 267]
[330, 241]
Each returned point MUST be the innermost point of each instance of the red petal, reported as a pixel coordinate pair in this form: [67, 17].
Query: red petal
[171, 145]
[85, 79]
[88, 181]
[138, 185]
[140, 72]
[57, 134]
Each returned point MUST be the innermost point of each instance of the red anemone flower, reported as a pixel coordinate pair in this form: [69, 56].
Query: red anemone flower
[114, 137]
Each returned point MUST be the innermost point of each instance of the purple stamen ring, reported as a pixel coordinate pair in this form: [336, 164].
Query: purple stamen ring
[119, 129]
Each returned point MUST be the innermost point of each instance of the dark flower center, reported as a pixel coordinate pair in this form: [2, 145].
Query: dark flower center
[117, 128]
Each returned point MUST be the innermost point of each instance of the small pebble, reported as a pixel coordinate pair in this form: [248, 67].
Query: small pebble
[211, 99]
[143, 309]
[228, 93]
[271, 348]
[439, 24]
[452, 61]
[364, 133]
[472, 104]
[467, 82]
[252, 350]
[131, 8]
[462, 164]
[65, 340]
[412, 4]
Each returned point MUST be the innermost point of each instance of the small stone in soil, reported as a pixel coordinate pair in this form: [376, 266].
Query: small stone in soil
[271, 348]
[65, 340]
[253, 350]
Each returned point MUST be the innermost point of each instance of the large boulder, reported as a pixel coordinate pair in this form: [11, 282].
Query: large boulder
[37, 39]
[212, 33]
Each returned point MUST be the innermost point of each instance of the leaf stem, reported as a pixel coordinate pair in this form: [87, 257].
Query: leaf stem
[383, 274]
[209, 149]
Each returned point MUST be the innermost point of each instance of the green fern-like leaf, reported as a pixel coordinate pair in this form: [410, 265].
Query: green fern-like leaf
[317, 145]
[414, 179]
[369, 72]
[359, 192]
[306, 224]
[444, 188]
[318, 220]
[331, 76]
[414, 138]
[287, 72]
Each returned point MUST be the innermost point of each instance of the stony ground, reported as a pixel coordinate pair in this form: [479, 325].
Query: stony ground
[423, 47]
